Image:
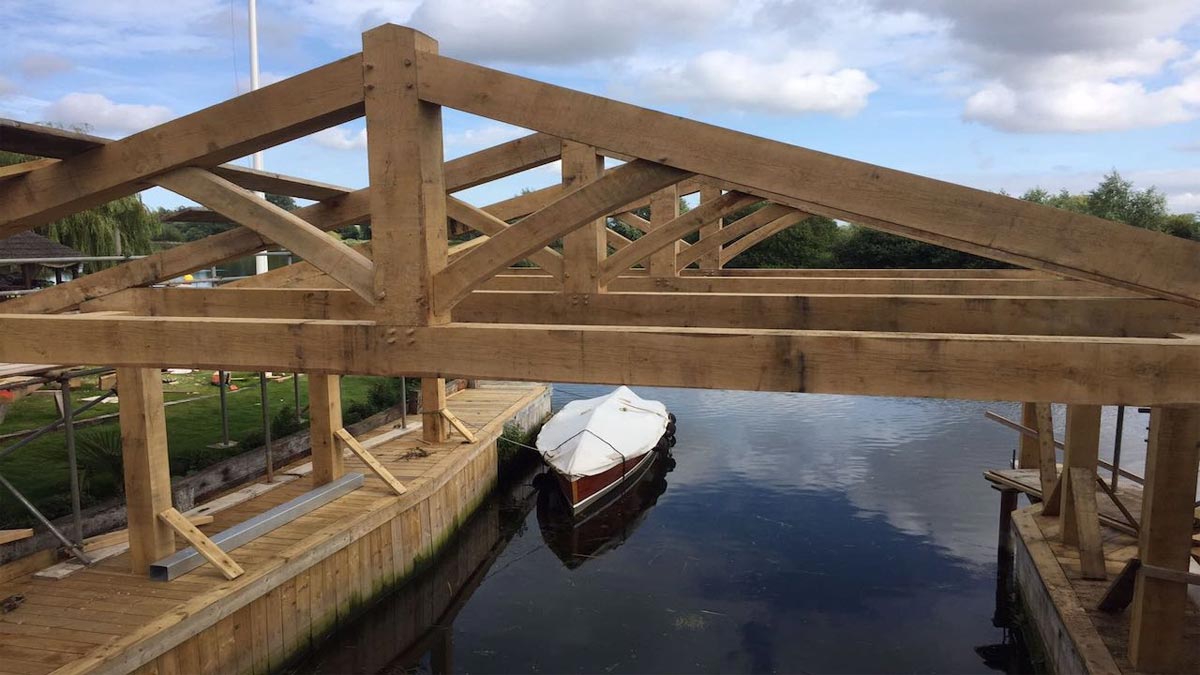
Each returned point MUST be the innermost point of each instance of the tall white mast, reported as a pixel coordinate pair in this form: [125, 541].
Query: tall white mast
[260, 260]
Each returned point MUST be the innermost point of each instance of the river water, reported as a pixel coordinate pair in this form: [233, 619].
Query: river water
[789, 533]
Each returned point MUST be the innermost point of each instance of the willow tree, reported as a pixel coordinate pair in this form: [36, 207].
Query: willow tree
[94, 232]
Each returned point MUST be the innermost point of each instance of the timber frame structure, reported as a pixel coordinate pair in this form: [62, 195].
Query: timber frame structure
[1098, 313]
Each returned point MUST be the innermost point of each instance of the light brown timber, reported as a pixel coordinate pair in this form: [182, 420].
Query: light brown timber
[477, 219]
[1047, 459]
[147, 471]
[760, 235]
[711, 260]
[1156, 638]
[937, 212]
[434, 427]
[408, 196]
[1127, 371]
[738, 228]
[282, 227]
[1087, 522]
[203, 545]
[325, 418]
[1081, 450]
[368, 459]
[664, 209]
[1028, 454]
[584, 248]
[573, 210]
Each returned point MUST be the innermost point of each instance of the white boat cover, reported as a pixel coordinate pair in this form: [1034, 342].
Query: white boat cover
[590, 436]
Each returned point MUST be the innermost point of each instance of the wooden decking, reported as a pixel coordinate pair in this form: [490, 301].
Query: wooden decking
[1059, 600]
[1100, 639]
[300, 580]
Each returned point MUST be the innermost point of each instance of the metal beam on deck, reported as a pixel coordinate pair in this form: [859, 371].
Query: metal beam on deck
[189, 558]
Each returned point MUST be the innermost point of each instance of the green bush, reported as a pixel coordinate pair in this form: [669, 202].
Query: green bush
[98, 454]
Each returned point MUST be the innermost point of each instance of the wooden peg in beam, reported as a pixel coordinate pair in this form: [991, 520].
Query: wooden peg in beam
[203, 545]
[373, 464]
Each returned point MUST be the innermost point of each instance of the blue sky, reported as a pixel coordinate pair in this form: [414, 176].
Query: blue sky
[1006, 94]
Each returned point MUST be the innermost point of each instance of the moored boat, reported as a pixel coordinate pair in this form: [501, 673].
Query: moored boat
[593, 445]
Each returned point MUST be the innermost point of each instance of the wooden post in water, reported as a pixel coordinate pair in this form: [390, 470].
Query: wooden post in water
[1028, 454]
[146, 466]
[1157, 643]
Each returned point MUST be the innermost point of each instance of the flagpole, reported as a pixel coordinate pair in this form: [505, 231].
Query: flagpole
[260, 260]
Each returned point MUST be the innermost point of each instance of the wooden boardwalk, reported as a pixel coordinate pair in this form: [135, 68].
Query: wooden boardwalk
[1100, 639]
[301, 579]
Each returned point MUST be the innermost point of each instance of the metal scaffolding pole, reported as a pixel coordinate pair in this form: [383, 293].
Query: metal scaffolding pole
[266, 418]
[68, 417]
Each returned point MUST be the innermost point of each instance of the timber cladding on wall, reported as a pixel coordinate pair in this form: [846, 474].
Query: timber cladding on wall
[300, 611]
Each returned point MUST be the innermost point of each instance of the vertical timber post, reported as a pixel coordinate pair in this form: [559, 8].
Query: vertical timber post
[147, 470]
[434, 427]
[1157, 643]
[324, 419]
[1028, 450]
[710, 261]
[408, 191]
[664, 207]
[585, 248]
[1081, 450]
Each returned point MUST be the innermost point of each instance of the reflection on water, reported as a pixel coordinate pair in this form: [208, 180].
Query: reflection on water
[605, 526]
[796, 533]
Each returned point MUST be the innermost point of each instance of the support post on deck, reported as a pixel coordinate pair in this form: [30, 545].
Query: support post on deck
[712, 259]
[1028, 449]
[1156, 635]
[434, 427]
[1080, 525]
[664, 207]
[146, 466]
[584, 249]
[324, 420]
[1081, 450]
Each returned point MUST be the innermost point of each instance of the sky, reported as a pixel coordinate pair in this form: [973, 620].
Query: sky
[1000, 95]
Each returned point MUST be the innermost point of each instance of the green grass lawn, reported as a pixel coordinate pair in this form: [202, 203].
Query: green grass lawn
[39, 469]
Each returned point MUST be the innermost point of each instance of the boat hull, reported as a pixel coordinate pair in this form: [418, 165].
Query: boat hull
[585, 491]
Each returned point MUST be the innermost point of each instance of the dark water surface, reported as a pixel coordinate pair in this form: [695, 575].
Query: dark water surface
[791, 533]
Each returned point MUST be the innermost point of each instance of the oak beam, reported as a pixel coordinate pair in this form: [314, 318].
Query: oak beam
[669, 232]
[958, 217]
[1157, 642]
[763, 233]
[276, 224]
[434, 426]
[408, 195]
[585, 248]
[295, 107]
[740, 227]
[573, 210]
[1027, 455]
[712, 259]
[1047, 459]
[1081, 450]
[1089, 371]
[1099, 317]
[324, 420]
[146, 465]
[481, 221]
[664, 209]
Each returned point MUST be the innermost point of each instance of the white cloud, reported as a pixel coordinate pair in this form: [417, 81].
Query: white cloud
[6, 86]
[796, 82]
[43, 65]
[103, 115]
[546, 32]
[340, 138]
[468, 140]
[484, 137]
[1071, 65]
[1084, 106]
